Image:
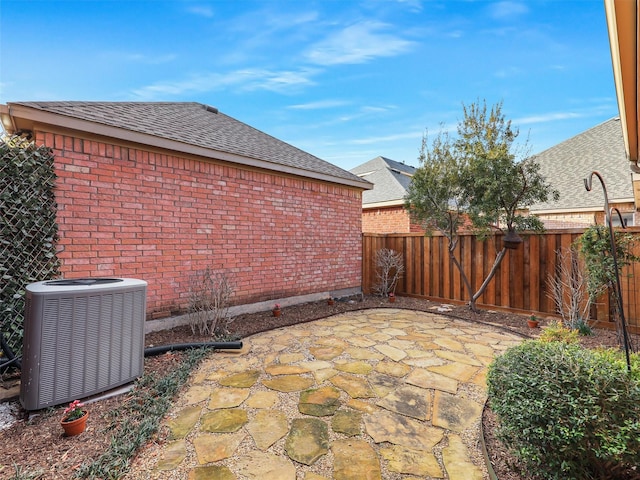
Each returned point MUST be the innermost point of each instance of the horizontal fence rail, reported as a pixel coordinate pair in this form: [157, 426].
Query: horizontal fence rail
[520, 284]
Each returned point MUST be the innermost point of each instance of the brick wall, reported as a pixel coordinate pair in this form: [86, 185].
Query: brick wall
[128, 212]
[385, 220]
[388, 220]
[585, 219]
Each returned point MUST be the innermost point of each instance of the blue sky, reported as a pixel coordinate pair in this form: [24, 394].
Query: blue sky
[344, 80]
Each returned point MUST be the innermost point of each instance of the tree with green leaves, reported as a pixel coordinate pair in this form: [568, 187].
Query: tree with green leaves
[480, 180]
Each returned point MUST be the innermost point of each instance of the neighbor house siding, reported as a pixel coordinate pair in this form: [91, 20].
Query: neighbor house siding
[128, 212]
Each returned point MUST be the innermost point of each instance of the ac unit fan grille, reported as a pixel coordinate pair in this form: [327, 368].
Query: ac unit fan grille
[82, 344]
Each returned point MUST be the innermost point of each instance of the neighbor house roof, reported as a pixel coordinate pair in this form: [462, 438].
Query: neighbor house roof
[390, 181]
[567, 164]
[185, 127]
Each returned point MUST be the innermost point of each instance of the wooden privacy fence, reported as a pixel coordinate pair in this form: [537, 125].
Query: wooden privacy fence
[520, 284]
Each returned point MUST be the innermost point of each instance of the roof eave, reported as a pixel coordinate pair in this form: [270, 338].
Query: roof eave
[388, 203]
[16, 118]
[622, 25]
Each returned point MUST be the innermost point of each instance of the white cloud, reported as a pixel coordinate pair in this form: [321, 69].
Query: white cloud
[507, 10]
[115, 57]
[248, 80]
[387, 138]
[547, 117]
[508, 72]
[362, 113]
[318, 105]
[201, 10]
[414, 5]
[287, 21]
[141, 58]
[358, 43]
[371, 109]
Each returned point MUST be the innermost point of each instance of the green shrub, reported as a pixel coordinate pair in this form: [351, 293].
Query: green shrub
[557, 332]
[567, 412]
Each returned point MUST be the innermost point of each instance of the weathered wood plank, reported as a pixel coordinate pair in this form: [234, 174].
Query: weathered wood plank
[520, 284]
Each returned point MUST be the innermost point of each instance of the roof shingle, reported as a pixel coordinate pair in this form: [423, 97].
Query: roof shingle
[390, 180]
[194, 124]
[567, 164]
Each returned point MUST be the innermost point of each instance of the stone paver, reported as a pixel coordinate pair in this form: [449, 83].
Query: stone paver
[409, 401]
[348, 422]
[456, 461]
[355, 460]
[267, 427]
[412, 461]
[227, 397]
[319, 402]
[241, 380]
[174, 454]
[371, 395]
[308, 440]
[224, 420]
[211, 448]
[186, 419]
[266, 466]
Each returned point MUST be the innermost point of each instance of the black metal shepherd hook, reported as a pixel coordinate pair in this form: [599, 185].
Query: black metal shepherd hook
[617, 288]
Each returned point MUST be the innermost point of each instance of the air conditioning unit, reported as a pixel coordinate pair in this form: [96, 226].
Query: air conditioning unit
[81, 337]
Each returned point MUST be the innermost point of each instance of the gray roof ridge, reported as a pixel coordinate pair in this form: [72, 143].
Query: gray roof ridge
[579, 134]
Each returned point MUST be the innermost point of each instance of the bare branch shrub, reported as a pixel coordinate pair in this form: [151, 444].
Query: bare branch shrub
[389, 269]
[568, 289]
[209, 294]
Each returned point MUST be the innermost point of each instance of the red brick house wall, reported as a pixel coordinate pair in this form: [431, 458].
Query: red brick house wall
[128, 212]
[388, 220]
[385, 220]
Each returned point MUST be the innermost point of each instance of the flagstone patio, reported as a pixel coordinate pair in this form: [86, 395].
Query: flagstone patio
[376, 394]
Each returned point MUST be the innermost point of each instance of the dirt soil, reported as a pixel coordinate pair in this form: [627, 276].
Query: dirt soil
[35, 444]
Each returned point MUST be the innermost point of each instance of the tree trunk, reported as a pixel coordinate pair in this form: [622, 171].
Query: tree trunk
[465, 280]
[483, 287]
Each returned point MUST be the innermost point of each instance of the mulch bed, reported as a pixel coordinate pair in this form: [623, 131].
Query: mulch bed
[35, 443]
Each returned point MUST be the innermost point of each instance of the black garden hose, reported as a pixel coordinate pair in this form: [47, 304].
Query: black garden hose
[13, 360]
[186, 346]
[8, 353]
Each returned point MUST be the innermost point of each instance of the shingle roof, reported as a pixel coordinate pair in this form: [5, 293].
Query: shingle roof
[390, 180]
[567, 164]
[194, 124]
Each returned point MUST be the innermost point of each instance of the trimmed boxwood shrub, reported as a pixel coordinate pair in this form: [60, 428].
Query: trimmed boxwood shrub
[567, 412]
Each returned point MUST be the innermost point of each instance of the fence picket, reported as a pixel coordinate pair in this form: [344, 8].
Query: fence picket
[520, 283]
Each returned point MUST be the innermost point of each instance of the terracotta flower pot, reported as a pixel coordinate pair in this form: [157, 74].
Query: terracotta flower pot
[75, 427]
[331, 301]
[532, 323]
[276, 313]
[392, 298]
